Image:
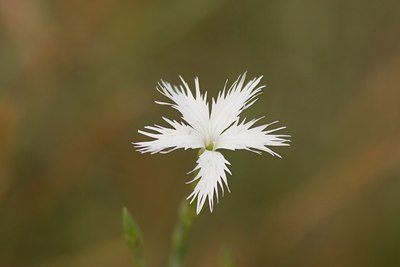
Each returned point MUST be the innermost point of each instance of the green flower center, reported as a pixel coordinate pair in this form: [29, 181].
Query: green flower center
[210, 147]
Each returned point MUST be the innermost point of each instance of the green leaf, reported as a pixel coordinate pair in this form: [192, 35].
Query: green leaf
[133, 236]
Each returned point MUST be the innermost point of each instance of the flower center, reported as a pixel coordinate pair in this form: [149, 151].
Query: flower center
[210, 146]
[209, 143]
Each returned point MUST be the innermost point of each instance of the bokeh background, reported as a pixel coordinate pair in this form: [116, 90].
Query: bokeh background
[77, 80]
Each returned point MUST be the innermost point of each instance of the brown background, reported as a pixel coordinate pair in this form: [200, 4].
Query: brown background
[77, 80]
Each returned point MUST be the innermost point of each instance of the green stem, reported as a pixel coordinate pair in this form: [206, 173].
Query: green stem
[181, 234]
[226, 257]
[139, 259]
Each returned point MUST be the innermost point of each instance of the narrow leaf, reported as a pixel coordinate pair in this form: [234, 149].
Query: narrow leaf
[133, 237]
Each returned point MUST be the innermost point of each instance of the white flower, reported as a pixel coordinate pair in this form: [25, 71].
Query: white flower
[211, 131]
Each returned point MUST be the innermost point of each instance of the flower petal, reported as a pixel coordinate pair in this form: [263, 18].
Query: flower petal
[242, 136]
[226, 109]
[169, 139]
[194, 108]
[212, 169]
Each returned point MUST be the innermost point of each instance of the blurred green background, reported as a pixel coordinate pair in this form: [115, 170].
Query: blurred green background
[77, 80]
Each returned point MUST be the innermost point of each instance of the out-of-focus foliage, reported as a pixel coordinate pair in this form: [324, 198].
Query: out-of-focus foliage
[77, 80]
[133, 237]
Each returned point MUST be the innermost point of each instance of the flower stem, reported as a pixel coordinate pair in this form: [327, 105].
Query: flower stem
[226, 257]
[181, 234]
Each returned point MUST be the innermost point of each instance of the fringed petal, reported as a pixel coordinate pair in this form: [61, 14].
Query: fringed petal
[228, 106]
[211, 173]
[194, 108]
[169, 139]
[256, 139]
